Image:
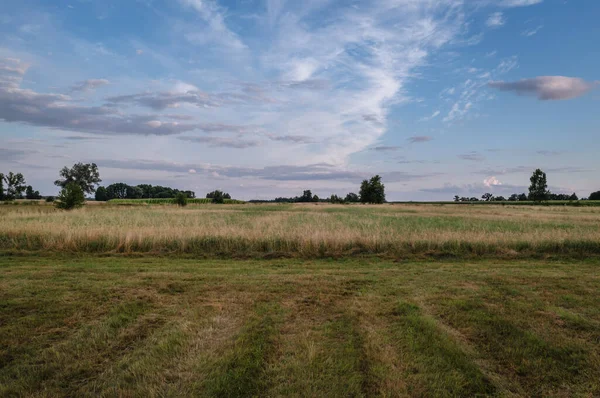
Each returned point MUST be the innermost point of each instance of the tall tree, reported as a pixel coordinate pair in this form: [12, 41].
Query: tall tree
[15, 186]
[70, 197]
[487, 197]
[117, 191]
[84, 175]
[31, 194]
[2, 194]
[538, 190]
[352, 198]
[594, 196]
[372, 191]
[101, 194]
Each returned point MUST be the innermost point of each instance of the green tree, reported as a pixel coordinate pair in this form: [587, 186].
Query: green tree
[71, 197]
[2, 194]
[217, 197]
[594, 196]
[352, 198]
[117, 190]
[538, 190]
[372, 191]
[522, 197]
[84, 175]
[180, 199]
[487, 197]
[101, 194]
[15, 186]
[573, 197]
[31, 194]
[456, 198]
[307, 196]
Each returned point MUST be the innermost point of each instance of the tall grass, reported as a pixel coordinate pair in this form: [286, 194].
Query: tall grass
[304, 230]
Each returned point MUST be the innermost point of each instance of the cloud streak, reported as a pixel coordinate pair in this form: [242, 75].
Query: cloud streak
[547, 88]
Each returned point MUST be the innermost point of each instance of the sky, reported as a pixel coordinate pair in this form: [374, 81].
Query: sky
[267, 98]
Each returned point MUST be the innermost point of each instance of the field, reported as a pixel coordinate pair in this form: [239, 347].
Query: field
[305, 230]
[300, 300]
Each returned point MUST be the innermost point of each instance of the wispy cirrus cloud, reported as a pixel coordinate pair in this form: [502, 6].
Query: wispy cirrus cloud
[419, 139]
[495, 20]
[547, 88]
[90, 84]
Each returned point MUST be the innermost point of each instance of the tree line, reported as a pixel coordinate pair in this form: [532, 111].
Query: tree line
[538, 192]
[120, 190]
[371, 191]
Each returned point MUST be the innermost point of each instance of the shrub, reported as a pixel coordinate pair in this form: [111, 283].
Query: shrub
[180, 199]
[50, 199]
[70, 197]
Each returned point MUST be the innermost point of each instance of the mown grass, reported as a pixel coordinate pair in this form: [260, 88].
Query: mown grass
[306, 231]
[117, 326]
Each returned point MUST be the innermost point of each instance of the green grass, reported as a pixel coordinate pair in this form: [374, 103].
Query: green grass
[161, 326]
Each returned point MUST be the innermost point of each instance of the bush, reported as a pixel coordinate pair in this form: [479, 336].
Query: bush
[70, 197]
[218, 197]
[180, 199]
[50, 199]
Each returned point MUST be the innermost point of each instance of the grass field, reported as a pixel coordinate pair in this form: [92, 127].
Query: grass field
[306, 231]
[119, 326]
[300, 300]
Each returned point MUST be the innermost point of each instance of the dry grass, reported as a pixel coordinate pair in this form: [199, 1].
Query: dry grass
[162, 327]
[305, 230]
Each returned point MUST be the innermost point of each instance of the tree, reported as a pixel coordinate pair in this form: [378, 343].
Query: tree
[84, 175]
[352, 198]
[180, 199]
[487, 197]
[522, 197]
[315, 198]
[372, 191]
[101, 194]
[594, 196]
[538, 190]
[573, 197]
[500, 199]
[71, 197]
[117, 191]
[31, 194]
[49, 199]
[456, 198]
[513, 198]
[2, 195]
[217, 197]
[307, 196]
[15, 186]
[335, 199]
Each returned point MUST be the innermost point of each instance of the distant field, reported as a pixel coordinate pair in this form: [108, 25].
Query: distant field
[150, 327]
[305, 231]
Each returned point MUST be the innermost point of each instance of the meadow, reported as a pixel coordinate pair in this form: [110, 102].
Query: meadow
[306, 231]
[311, 300]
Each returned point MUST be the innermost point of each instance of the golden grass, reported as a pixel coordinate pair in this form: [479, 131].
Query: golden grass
[304, 230]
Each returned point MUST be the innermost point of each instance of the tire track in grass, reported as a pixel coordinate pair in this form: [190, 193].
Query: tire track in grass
[66, 367]
[321, 353]
[435, 364]
[541, 367]
[241, 370]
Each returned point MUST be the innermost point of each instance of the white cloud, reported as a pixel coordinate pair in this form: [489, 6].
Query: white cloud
[491, 181]
[531, 32]
[495, 20]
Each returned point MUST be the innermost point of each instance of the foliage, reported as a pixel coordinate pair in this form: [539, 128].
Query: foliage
[538, 190]
[217, 197]
[101, 194]
[217, 194]
[2, 194]
[488, 197]
[49, 199]
[335, 199]
[372, 191]
[31, 194]
[180, 199]
[352, 198]
[15, 186]
[122, 190]
[84, 175]
[167, 201]
[594, 196]
[71, 197]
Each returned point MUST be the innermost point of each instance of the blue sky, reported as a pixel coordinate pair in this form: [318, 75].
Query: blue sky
[266, 98]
